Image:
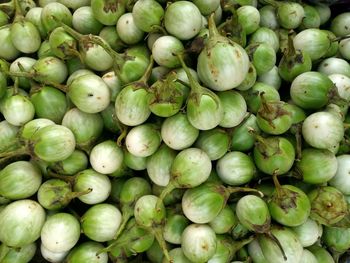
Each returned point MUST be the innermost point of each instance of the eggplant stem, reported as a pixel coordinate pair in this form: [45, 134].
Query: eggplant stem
[66, 178]
[197, 91]
[77, 194]
[148, 72]
[340, 38]
[240, 244]
[18, 11]
[298, 138]
[158, 29]
[125, 219]
[183, 83]
[20, 151]
[19, 74]
[158, 234]
[98, 41]
[258, 138]
[233, 190]
[116, 243]
[213, 31]
[29, 75]
[61, 87]
[106, 249]
[75, 34]
[15, 86]
[76, 53]
[277, 184]
[264, 104]
[247, 240]
[187, 71]
[167, 190]
[124, 132]
[21, 68]
[119, 59]
[274, 239]
[290, 50]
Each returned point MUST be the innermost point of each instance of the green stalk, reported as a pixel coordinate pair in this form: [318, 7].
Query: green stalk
[290, 52]
[158, 29]
[260, 141]
[277, 186]
[167, 190]
[197, 91]
[30, 76]
[274, 239]
[116, 244]
[237, 245]
[127, 213]
[67, 178]
[18, 12]
[20, 151]
[22, 74]
[118, 58]
[158, 234]
[266, 108]
[34, 87]
[193, 83]
[213, 31]
[232, 190]
[142, 82]
[73, 195]
[15, 86]
[124, 131]
[113, 245]
[299, 140]
[340, 38]
[75, 34]
[183, 83]
[63, 88]
[269, 111]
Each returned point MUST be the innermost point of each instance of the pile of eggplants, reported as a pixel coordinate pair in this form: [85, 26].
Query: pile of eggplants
[174, 131]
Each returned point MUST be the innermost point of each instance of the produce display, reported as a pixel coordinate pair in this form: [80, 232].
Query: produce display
[174, 131]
